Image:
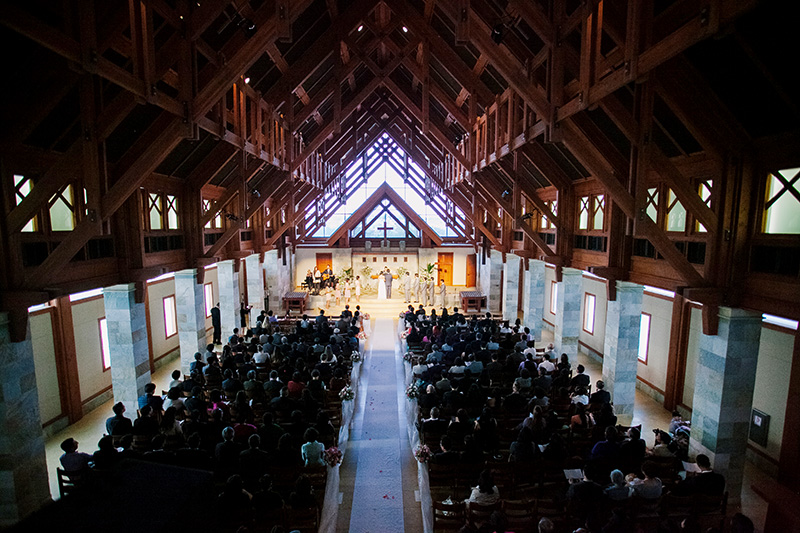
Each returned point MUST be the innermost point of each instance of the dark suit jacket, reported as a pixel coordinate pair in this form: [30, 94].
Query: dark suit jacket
[706, 484]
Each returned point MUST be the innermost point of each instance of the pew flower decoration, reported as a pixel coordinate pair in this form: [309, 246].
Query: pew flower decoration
[412, 392]
[332, 456]
[362, 336]
[347, 394]
[422, 453]
[355, 357]
[408, 357]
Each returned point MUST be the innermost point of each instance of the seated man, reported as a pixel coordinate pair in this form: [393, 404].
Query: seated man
[580, 379]
[435, 424]
[706, 482]
[447, 456]
[119, 424]
[600, 396]
[72, 460]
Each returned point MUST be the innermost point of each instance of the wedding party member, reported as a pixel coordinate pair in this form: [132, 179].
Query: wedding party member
[387, 279]
[407, 286]
[442, 294]
[415, 287]
[358, 289]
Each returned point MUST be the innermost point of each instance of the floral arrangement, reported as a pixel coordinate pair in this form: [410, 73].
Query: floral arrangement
[408, 357]
[347, 394]
[332, 456]
[361, 336]
[412, 392]
[422, 453]
[404, 335]
[355, 357]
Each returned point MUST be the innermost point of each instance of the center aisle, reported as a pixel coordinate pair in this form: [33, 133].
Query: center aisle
[378, 475]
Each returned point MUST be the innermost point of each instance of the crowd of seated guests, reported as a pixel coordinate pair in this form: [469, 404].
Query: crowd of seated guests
[488, 397]
[259, 416]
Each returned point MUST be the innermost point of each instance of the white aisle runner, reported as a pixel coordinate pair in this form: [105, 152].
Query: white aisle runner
[378, 442]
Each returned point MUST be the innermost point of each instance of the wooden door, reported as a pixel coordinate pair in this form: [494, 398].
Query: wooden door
[472, 266]
[445, 268]
[323, 261]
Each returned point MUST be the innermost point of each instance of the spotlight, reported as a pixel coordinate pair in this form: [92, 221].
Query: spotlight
[405, 30]
[497, 32]
[360, 28]
[247, 79]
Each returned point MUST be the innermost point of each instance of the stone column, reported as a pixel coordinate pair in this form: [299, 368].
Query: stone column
[568, 313]
[489, 282]
[723, 394]
[127, 342]
[229, 303]
[533, 298]
[621, 348]
[511, 288]
[271, 271]
[24, 487]
[191, 310]
[255, 285]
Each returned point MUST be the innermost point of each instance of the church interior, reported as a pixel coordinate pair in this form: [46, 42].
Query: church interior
[621, 177]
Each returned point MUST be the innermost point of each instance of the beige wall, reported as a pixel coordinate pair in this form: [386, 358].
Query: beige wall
[692, 354]
[549, 277]
[655, 371]
[211, 277]
[44, 357]
[772, 384]
[85, 317]
[597, 287]
[156, 292]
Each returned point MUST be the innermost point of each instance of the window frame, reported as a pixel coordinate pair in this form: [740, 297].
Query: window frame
[103, 332]
[586, 297]
[647, 343]
[553, 297]
[167, 334]
[209, 304]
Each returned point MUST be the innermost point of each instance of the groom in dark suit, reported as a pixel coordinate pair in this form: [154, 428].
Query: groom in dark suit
[387, 279]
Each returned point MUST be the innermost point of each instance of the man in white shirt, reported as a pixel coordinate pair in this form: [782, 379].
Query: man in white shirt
[260, 356]
[547, 364]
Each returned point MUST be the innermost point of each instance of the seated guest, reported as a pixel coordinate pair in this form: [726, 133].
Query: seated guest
[650, 487]
[447, 456]
[473, 453]
[485, 493]
[564, 364]
[523, 450]
[524, 380]
[234, 502]
[273, 387]
[429, 399]
[303, 495]
[266, 501]
[435, 424]
[253, 462]
[581, 419]
[580, 396]
[585, 498]
[544, 381]
[150, 398]
[661, 447]
[601, 395]
[176, 379]
[706, 482]
[580, 379]
[607, 449]
[227, 452]
[311, 451]
[618, 490]
[286, 454]
[198, 364]
[632, 451]
[231, 384]
[119, 424]
[146, 425]
[72, 460]
[516, 401]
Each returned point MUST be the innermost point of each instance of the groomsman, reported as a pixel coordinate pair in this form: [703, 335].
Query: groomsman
[407, 286]
[424, 288]
[432, 291]
[415, 287]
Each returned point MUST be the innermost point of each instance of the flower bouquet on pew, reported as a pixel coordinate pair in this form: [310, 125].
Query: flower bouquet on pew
[422, 453]
[361, 336]
[355, 357]
[347, 394]
[412, 392]
[408, 357]
[332, 456]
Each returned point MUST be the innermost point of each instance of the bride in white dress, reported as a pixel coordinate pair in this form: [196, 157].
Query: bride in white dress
[381, 287]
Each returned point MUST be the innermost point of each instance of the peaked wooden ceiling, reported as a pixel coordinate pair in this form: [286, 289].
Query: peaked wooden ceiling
[248, 111]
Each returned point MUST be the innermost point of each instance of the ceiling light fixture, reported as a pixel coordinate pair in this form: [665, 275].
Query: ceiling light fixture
[247, 79]
[405, 30]
[361, 27]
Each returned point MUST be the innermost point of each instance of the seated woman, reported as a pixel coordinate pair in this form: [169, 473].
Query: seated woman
[618, 490]
[650, 487]
[312, 450]
[523, 450]
[303, 495]
[524, 380]
[581, 419]
[486, 492]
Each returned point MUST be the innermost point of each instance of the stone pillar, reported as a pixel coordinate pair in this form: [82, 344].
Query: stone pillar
[533, 298]
[511, 288]
[723, 394]
[190, 306]
[621, 348]
[229, 303]
[127, 341]
[568, 313]
[255, 285]
[24, 487]
[489, 282]
[271, 271]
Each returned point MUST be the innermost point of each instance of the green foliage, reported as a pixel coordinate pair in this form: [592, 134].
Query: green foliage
[401, 271]
[366, 271]
[346, 273]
